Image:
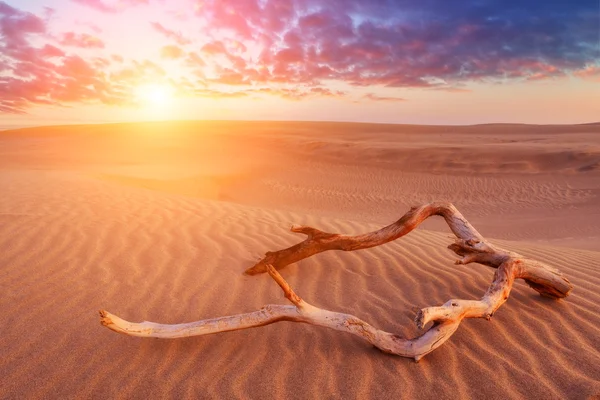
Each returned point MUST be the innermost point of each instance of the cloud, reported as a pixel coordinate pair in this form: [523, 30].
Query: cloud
[374, 97]
[98, 5]
[16, 25]
[44, 73]
[216, 94]
[214, 47]
[230, 77]
[297, 49]
[170, 34]
[297, 93]
[326, 92]
[82, 40]
[590, 72]
[49, 51]
[171, 52]
[112, 7]
[410, 44]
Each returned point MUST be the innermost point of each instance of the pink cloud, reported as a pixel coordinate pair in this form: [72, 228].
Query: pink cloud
[82, 40]
[326, 92]
[218, 47]
[290, 55]
[102, 6]
[315, 20]
[300, 45]
[170, 34]
[231, 77]
[49, 12]
[16, 25]
[374, 97]
[233, 16]
[451, 89]
[49, 51]
[98, 5]
[297, 94]
[591, 73]
[214, 47]
[11, 107]
[46, 74]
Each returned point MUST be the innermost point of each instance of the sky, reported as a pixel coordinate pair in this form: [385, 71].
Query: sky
[424, 62]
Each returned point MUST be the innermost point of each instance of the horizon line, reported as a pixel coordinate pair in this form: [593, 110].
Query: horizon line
[9, 127]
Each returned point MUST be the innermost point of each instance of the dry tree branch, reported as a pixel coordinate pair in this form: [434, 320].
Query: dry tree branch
[470, 246]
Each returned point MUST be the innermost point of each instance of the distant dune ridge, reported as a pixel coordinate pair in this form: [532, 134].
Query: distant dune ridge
[158, 221]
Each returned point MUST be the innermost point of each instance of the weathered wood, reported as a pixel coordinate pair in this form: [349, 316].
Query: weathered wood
[470, 246]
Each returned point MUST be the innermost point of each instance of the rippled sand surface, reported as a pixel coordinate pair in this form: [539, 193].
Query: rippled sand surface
[158, 221]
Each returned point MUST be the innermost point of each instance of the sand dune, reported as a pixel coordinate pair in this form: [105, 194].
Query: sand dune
[157, 222]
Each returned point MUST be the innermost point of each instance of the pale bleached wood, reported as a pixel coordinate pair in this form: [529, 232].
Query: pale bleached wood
[300, 312]
[470, 246]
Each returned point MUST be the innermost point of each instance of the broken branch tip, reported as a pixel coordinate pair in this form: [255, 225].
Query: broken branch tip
[105, 318]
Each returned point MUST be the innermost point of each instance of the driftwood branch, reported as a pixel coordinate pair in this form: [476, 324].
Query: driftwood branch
[470, 246]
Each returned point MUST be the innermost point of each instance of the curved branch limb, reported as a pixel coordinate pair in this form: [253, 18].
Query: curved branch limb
[470, 247]
[302, 312]
[265, 316]
[319, 241]
[547, 281]
[446, 318]
[494, 297]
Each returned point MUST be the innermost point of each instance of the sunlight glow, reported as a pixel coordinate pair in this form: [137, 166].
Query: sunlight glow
[154, 94]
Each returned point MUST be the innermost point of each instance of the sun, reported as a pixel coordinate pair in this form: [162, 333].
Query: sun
[154, 94]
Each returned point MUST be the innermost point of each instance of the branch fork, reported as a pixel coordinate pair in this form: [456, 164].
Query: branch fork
[469, 246]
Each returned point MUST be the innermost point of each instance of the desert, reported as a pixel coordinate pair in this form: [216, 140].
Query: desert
[157, 221]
